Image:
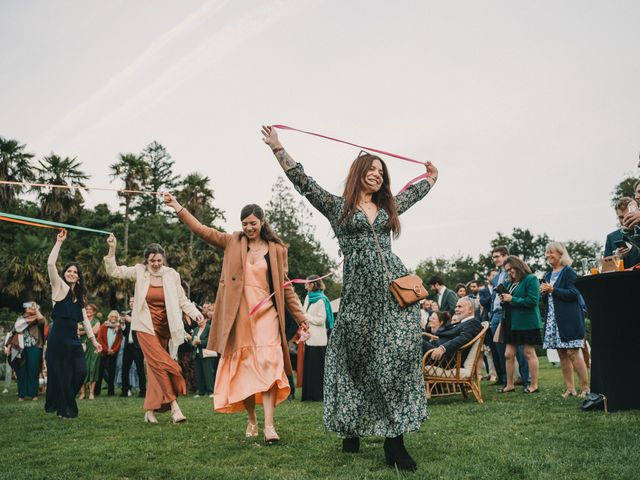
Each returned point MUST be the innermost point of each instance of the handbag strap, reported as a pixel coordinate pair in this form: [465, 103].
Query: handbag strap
[375, 237]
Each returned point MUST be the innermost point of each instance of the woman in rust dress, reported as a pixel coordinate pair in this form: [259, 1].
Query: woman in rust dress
[157, 319]
[255, 357]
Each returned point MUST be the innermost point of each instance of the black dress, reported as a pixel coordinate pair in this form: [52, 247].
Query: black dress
[66, 365]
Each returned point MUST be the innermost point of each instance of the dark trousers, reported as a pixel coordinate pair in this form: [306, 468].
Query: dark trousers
[205, 374]
[28, 373]
[132, 354]
[108, 364]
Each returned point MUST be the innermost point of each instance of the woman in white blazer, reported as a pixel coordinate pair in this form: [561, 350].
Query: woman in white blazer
[319, 316]
[159, 301]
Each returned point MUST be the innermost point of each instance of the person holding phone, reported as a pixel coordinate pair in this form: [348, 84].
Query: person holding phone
[66, 364]
[615, 243]
[31, 326]
[521, 323]
[565, 328]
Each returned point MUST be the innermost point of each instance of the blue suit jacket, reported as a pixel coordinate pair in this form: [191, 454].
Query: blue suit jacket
[610, 247]
[566, 303]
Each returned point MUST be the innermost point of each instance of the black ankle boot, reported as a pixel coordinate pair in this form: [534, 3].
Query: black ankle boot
[351, 445]
[396, 454]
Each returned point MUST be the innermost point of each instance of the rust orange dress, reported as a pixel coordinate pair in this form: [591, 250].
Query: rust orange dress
[253, 361]
[164, 376]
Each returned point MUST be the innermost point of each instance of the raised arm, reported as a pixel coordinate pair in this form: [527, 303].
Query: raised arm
[417, 191]
[54, 276]
[326, 203]
[208, 234]
[110, 265]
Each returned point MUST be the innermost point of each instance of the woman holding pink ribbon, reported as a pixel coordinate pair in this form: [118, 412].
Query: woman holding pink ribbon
[255, 356]
[372, 383]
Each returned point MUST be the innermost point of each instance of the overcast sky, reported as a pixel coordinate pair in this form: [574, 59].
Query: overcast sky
[529, 109]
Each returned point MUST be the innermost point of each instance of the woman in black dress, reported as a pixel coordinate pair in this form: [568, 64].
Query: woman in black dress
[66, 365]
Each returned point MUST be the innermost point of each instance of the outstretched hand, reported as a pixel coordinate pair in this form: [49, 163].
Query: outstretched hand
[270, 137]
[170, 201]
[62, 236]
[431, 170]
[111, 241]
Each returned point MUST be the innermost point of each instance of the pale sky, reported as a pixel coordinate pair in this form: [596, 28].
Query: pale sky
[529, 109]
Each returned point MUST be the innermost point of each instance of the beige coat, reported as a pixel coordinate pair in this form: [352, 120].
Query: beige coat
[175, 300]
[60, 289]
[230, 289]
[317, 315]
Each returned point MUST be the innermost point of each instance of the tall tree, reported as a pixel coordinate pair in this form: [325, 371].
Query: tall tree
[133, 171]
[288, 219]
[61, 204]
[196, 196]
[15, 166]
[160, 176]
[526, 245]
[624, 189]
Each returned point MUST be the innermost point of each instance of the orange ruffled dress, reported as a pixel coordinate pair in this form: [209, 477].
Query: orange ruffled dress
[252, 362]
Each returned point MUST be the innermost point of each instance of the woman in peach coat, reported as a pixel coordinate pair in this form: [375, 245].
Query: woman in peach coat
[255, 357]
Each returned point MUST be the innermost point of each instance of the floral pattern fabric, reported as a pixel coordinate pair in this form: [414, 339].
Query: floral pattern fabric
[551, 333]
[372, 383]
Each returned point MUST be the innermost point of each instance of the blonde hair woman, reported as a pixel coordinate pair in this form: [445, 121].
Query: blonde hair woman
[565, 327]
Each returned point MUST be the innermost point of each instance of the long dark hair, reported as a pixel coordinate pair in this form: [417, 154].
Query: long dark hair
[78, 291]
[382, 198]
[266, 232]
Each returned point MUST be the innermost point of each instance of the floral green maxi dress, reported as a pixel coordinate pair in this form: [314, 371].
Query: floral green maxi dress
[372, 382]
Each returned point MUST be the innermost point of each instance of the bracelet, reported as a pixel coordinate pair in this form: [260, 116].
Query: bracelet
[178, 212]
[276, 150]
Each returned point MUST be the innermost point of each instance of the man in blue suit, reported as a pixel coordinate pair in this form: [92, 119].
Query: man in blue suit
[499, 254]
[630, 253]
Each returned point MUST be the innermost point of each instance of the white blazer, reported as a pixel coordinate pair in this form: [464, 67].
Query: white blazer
[175, 300]
[316, 317]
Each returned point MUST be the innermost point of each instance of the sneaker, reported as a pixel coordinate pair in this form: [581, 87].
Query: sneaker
[196, 396]
[6, 390]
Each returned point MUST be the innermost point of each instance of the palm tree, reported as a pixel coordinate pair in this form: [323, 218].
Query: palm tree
[15, 166]
[196, 196]
[133, 170]
[61, 204]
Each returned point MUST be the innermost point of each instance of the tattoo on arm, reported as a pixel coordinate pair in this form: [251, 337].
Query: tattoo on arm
[286, 162]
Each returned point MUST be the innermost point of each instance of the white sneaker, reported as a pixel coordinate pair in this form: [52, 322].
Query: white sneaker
[6, 390]
[211, 396]
[196, 396]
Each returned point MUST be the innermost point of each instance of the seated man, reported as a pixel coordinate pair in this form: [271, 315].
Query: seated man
[451, 338]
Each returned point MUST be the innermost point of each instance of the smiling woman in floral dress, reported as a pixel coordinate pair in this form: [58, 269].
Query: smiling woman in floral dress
[373, 384]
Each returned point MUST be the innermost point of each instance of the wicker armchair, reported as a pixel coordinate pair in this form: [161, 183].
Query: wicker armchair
[451, 376]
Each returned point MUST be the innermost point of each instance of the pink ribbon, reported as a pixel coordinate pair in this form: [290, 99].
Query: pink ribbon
[368, 149]
[289, 283]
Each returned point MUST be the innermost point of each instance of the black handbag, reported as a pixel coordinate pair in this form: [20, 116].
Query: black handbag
[594, 402]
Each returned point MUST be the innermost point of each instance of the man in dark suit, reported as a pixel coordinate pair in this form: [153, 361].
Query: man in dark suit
[630, 253]
[445, 298]
[132, 353]
[454, 336]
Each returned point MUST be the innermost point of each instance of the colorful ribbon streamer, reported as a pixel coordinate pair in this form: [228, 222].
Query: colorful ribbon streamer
[291, 282]
[368, 149]
[73, 187]
[36, 222]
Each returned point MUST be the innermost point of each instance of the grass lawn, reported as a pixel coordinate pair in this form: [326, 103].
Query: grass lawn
[511, 436]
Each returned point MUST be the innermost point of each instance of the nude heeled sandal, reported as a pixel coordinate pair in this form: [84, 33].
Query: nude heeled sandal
[252, 430]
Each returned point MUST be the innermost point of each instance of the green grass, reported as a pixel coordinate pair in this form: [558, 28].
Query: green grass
[512, 436]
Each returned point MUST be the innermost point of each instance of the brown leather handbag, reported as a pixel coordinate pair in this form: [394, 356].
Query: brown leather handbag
[408, 289]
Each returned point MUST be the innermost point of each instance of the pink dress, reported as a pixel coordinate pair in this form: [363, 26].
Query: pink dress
[252, 362]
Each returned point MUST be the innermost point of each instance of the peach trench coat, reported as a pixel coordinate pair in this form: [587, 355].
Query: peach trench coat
[230, 289]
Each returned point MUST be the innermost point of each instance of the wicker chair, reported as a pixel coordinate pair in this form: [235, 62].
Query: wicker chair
[452, 376]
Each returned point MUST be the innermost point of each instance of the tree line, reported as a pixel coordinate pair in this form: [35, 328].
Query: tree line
[140, 220]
